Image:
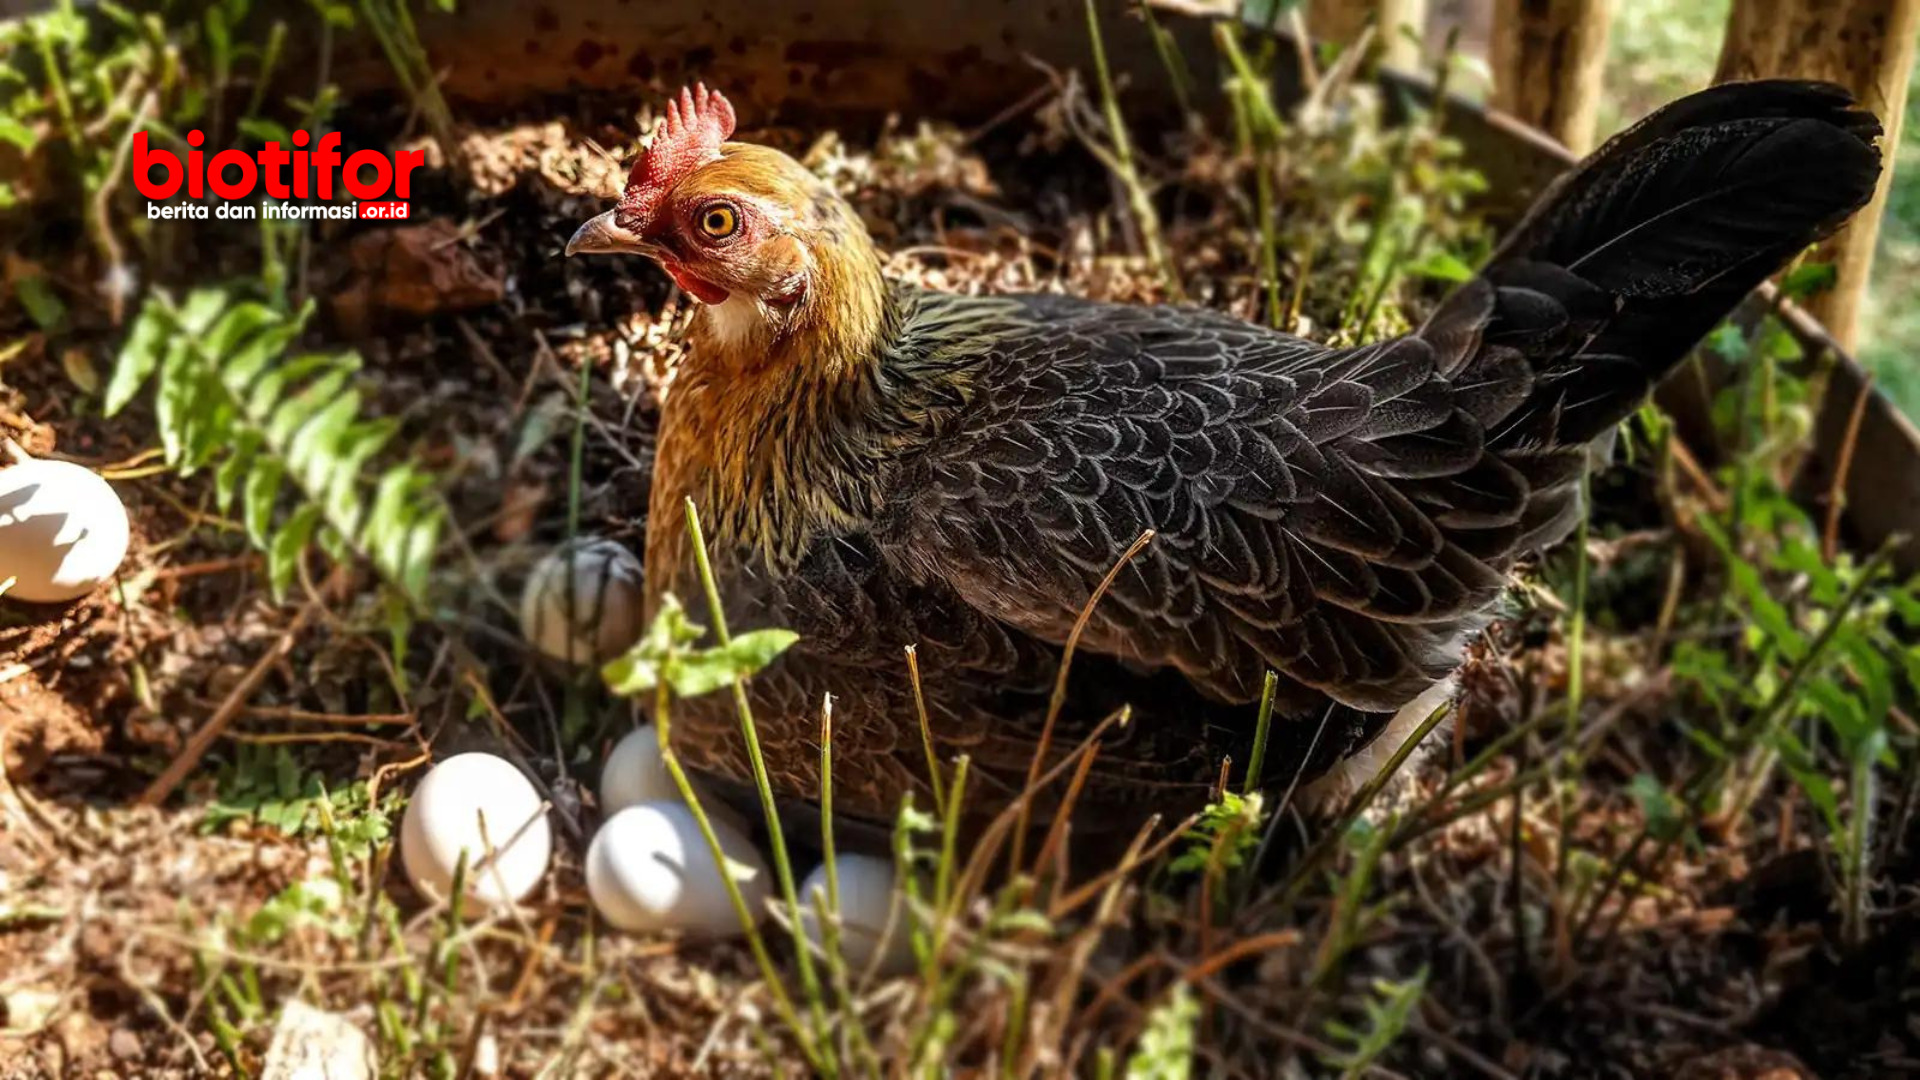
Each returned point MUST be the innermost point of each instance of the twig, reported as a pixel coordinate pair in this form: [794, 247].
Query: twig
[1458, 1049]
[1058, 700]
[1710, 491]
[209, 566]
[103, 227]
[308, 716]
[236, 700]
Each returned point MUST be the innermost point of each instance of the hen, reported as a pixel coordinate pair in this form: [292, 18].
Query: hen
[879, 465]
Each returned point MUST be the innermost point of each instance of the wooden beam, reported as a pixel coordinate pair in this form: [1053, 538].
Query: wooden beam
[1866, 46]
[1548, 60]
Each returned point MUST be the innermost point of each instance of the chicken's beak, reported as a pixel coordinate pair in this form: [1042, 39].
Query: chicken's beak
[602, 234]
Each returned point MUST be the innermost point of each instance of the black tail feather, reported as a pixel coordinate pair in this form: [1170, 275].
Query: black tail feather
[1629, 260]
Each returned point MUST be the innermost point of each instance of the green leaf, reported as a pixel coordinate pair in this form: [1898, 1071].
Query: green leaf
[423, 541]
[312, 453]
[233, 327]
[1842, 711]
[202, 307]
[293, 413]
[283, 556]
[1808, 278]
[263, 488]
[1905, 601]
[17, 132]
[665, 653]
[139, 356]
[1661, 809]
[1023, 921]
[264, 130]
[1441, 266]
[392, 536]
[1809, 774]
[210, 426]
[262, 394]
[547, 418]
[342, 494]
[641, 668]
[174, 401]
[702, 672]
[42, 305]
[1728, 342]
[630, 674]
[1166, 1046]
[232, 471]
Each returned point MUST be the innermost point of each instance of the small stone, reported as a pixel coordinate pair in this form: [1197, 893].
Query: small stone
[30, 1008]
[486, 1056]
[312, 1044]
[123, 1044]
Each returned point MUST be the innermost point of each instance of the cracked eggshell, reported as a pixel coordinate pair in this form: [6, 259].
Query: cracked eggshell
[443, 819]
[63, 531]
[868, 899]
[603, 617]
[649, 868]
[635, 773]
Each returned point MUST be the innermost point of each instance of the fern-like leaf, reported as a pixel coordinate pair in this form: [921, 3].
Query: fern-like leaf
[228, 394]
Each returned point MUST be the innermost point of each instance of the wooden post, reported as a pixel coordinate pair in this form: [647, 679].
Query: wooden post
[1341, 21]
[1866, 46]
[1548, 58]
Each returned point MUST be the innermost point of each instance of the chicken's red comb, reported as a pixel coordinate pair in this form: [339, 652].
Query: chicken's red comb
[697, 122]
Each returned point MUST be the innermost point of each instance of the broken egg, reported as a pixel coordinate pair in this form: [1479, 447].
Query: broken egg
[649, 868]
[875, 930]
[481, 805]
[63, 531]
[583, 602]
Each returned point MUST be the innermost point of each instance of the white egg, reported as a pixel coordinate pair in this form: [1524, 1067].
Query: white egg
[649, 868]
[62, 531]
[868, 902]
[599, 617]
[444, 819]
[635, 773]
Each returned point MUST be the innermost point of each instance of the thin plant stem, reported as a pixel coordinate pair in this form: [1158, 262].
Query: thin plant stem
[926, 733]
[940, 925]
[1704, 777]
[828, 913]
[1058, 699]
[782, 1002]
[1137, 199]
[1262, 727]
[1178, 77]
[1570, 756]
[1256, 124]
[1324, 846]
[826, 804]
[1862, 793]
[750, 735]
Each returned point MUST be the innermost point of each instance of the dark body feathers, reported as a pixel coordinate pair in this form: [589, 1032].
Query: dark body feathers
[1345, 518]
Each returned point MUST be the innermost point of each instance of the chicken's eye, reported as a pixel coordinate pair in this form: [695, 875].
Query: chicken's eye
[719, 221]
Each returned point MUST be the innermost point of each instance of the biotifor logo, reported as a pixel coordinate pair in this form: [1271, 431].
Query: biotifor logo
[379, 181]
